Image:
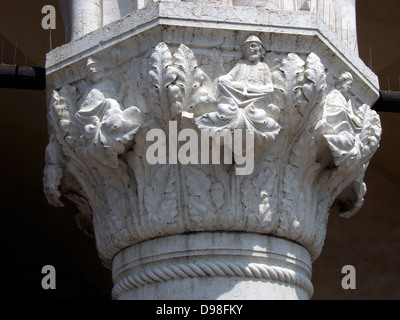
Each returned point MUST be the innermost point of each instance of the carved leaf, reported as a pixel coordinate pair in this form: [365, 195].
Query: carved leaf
[315, 87]
[259, 120]
[288, 80]
[118, 205]
[290, 200]
[316, 77]
[371, 131]
[299, 176]
[304, 156]
[121, 126]
[53, 172]
[344, 148]
[229, 117]
[61, 114]
[62, 142]
[160, 77]
[190, 79]
[221, 119]
[257, 198]
[198, 184]
[160, 196]
[107, 132]
[217, 194]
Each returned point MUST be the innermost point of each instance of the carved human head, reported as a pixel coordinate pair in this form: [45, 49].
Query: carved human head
[93, 69]
[253, 48]
[345, 81]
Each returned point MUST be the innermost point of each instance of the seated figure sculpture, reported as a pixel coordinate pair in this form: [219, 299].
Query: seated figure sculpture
[244, 96]
[250, 79]
[243, 99]
[340, 125]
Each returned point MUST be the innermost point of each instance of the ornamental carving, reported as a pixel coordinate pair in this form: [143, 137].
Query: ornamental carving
[312, 141]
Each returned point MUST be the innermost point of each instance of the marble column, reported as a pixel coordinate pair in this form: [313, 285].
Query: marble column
[205, 144]
[346, 22]
[84, 16]
[81, 17]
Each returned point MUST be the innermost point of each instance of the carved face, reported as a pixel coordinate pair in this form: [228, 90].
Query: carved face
[94, 72]
[347, 85]
[253, 51]
[345, 82]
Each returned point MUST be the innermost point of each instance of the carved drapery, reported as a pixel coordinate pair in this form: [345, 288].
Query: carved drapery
[313, 140]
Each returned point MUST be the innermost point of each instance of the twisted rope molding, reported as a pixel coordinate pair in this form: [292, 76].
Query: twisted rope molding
[207, 269]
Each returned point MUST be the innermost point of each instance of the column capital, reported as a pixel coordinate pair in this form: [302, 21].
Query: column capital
[135, 128]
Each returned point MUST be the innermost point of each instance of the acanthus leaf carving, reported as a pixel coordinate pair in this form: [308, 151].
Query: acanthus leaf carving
[200, 204]
[304, 157]
[160, 77]
[217, 195]
[300, 86]
[258, 199]
[160, 198]
[287, 83]
[371, 131]
[53, 172]
[191, 82]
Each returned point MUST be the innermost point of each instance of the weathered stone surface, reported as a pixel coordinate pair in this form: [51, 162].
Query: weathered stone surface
[84, 16]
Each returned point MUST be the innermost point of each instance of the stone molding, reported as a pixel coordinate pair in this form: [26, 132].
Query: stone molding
[162, 261]
[211, 269]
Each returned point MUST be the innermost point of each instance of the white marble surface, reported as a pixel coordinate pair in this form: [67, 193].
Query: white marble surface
[220, 266]
[82, 17]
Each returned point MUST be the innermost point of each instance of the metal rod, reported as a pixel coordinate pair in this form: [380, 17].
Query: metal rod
[370, 58]
[2, 50]
[22, 77]
[389, 101]
[50, 40]
[15, 52]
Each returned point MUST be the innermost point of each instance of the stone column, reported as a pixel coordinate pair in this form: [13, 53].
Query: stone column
[114, 9]
[84, 16]
[81, 17]
[205, 145]
[346, 22]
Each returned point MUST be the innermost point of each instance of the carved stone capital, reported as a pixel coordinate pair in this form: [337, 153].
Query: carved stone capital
[128, 122]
